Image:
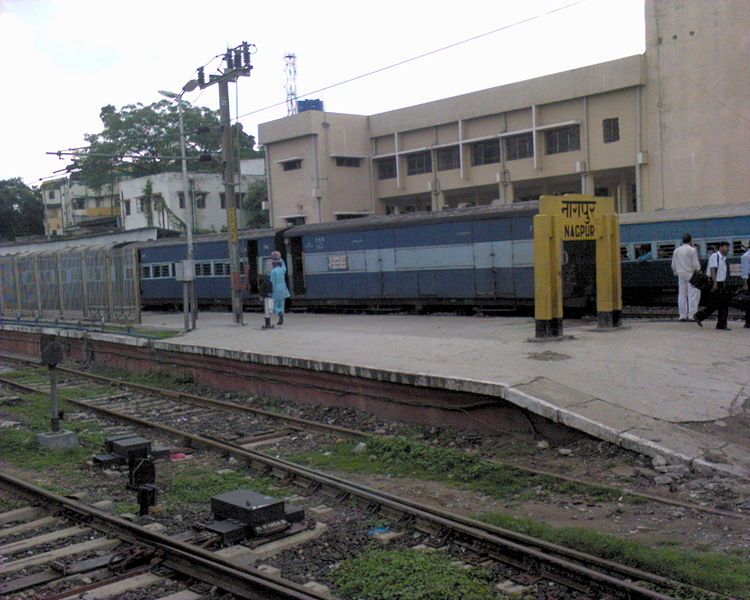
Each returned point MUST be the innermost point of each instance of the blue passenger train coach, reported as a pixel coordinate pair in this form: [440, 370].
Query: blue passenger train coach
[474, 257]
[158, 266]
[649, 239]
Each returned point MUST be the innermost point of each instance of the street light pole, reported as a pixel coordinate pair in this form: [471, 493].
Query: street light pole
[188, 271]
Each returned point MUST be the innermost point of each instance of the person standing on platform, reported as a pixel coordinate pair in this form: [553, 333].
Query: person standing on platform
[717, 266]
[684, 264]
[278, 280]
[745, 261]
[265, 289]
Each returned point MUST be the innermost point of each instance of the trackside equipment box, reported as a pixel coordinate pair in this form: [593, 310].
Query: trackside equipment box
[248, 507]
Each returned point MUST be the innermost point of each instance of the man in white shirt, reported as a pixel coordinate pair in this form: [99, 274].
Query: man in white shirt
[684, 264]
[745, 262]
[717, 265]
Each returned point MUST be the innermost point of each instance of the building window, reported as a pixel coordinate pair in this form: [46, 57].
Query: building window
[485, 153]
[611, 129]
[295, 220]
[52, 194]
[98, 202]
[601, 191]
[346, 161]
[181, 199]
[127, 207]
[386, 167]
[292, 165]
[418, 163]
[222, 200]
[448, 158]
[79, 203]
[200, 200]
[565, 139]
[519, 146]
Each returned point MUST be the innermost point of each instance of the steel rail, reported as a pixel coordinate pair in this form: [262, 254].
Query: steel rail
[525, 552]
[193, 561]
[324, 427]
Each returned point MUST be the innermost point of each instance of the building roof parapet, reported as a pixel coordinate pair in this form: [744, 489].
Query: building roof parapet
[576, 83]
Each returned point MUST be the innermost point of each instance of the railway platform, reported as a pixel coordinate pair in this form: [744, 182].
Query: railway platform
[656, 387]
[660, 388]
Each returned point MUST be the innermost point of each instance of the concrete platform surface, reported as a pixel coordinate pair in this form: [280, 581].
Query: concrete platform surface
[633, 386]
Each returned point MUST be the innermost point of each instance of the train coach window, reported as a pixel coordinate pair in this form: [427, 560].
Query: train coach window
[664, 250]
[643, 252]
[203, 269]
[146, 272]
[221, 268]
[738, 248]
[624, 253]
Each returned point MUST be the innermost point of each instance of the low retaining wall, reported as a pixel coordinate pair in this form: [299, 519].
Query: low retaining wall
[424, 399]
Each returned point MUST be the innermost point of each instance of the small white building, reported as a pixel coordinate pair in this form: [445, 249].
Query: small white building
[166, 206]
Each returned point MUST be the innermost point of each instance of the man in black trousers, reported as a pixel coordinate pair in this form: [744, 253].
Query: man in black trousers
[717, 266]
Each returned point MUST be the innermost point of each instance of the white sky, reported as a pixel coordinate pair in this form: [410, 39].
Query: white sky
[62, 60]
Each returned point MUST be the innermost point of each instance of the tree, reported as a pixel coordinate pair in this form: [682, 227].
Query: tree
[252, 203]
[21, 209]
[140, 140]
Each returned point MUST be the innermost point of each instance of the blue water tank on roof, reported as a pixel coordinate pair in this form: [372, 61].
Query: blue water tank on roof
[315, 104]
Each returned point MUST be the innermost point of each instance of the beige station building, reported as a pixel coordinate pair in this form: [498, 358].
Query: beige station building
[666, 129]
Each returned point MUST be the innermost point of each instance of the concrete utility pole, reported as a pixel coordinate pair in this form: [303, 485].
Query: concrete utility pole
[189, 304]
[237, 64]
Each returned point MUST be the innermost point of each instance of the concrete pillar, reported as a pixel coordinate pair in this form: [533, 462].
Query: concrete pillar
[438, 200]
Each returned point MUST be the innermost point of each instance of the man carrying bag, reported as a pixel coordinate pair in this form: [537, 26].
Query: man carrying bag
[719, 299]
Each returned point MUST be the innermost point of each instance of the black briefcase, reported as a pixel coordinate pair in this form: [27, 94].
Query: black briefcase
[741, 300]
[701, 281]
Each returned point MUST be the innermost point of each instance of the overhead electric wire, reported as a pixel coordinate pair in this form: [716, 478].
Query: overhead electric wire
[390, 66]
[420, 56]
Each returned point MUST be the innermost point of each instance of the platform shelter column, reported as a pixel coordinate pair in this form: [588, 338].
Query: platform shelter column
[575, 217]
[548, 306]
[608, 271]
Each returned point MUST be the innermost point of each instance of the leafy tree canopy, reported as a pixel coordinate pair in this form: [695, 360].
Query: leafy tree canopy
[252, 202]
[21, 209]
[137, 138]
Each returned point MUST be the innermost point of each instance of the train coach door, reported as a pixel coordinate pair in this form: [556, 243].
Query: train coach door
[298, 266]
[252, 266]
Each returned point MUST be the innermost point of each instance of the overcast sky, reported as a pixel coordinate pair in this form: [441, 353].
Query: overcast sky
[62, 60]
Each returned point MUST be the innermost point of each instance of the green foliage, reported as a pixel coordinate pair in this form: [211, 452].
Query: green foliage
[411, 458]
[195, 485]
[21, 209]
[722, 573]
[379, 574]
[252, 203]
[140, 140]
[20, 446]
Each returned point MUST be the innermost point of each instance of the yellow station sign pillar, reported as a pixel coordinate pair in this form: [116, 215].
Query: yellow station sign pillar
[574, 217]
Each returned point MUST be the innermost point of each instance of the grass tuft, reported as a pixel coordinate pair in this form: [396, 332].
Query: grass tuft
[721, 573]
[379, 574]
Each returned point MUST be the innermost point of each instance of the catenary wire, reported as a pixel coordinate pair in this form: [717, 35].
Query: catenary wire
[423, 55]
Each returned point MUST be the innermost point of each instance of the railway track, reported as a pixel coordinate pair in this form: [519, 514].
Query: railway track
[62, 549]
[588, 575]
[263, 426]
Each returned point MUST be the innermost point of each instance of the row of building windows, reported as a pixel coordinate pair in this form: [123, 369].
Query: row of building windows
[563, 139]
[200, 201]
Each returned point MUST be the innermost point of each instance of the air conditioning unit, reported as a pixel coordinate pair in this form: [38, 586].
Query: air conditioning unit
[642, 158]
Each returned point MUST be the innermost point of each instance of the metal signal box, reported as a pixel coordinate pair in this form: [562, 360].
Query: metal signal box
[247, 507]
